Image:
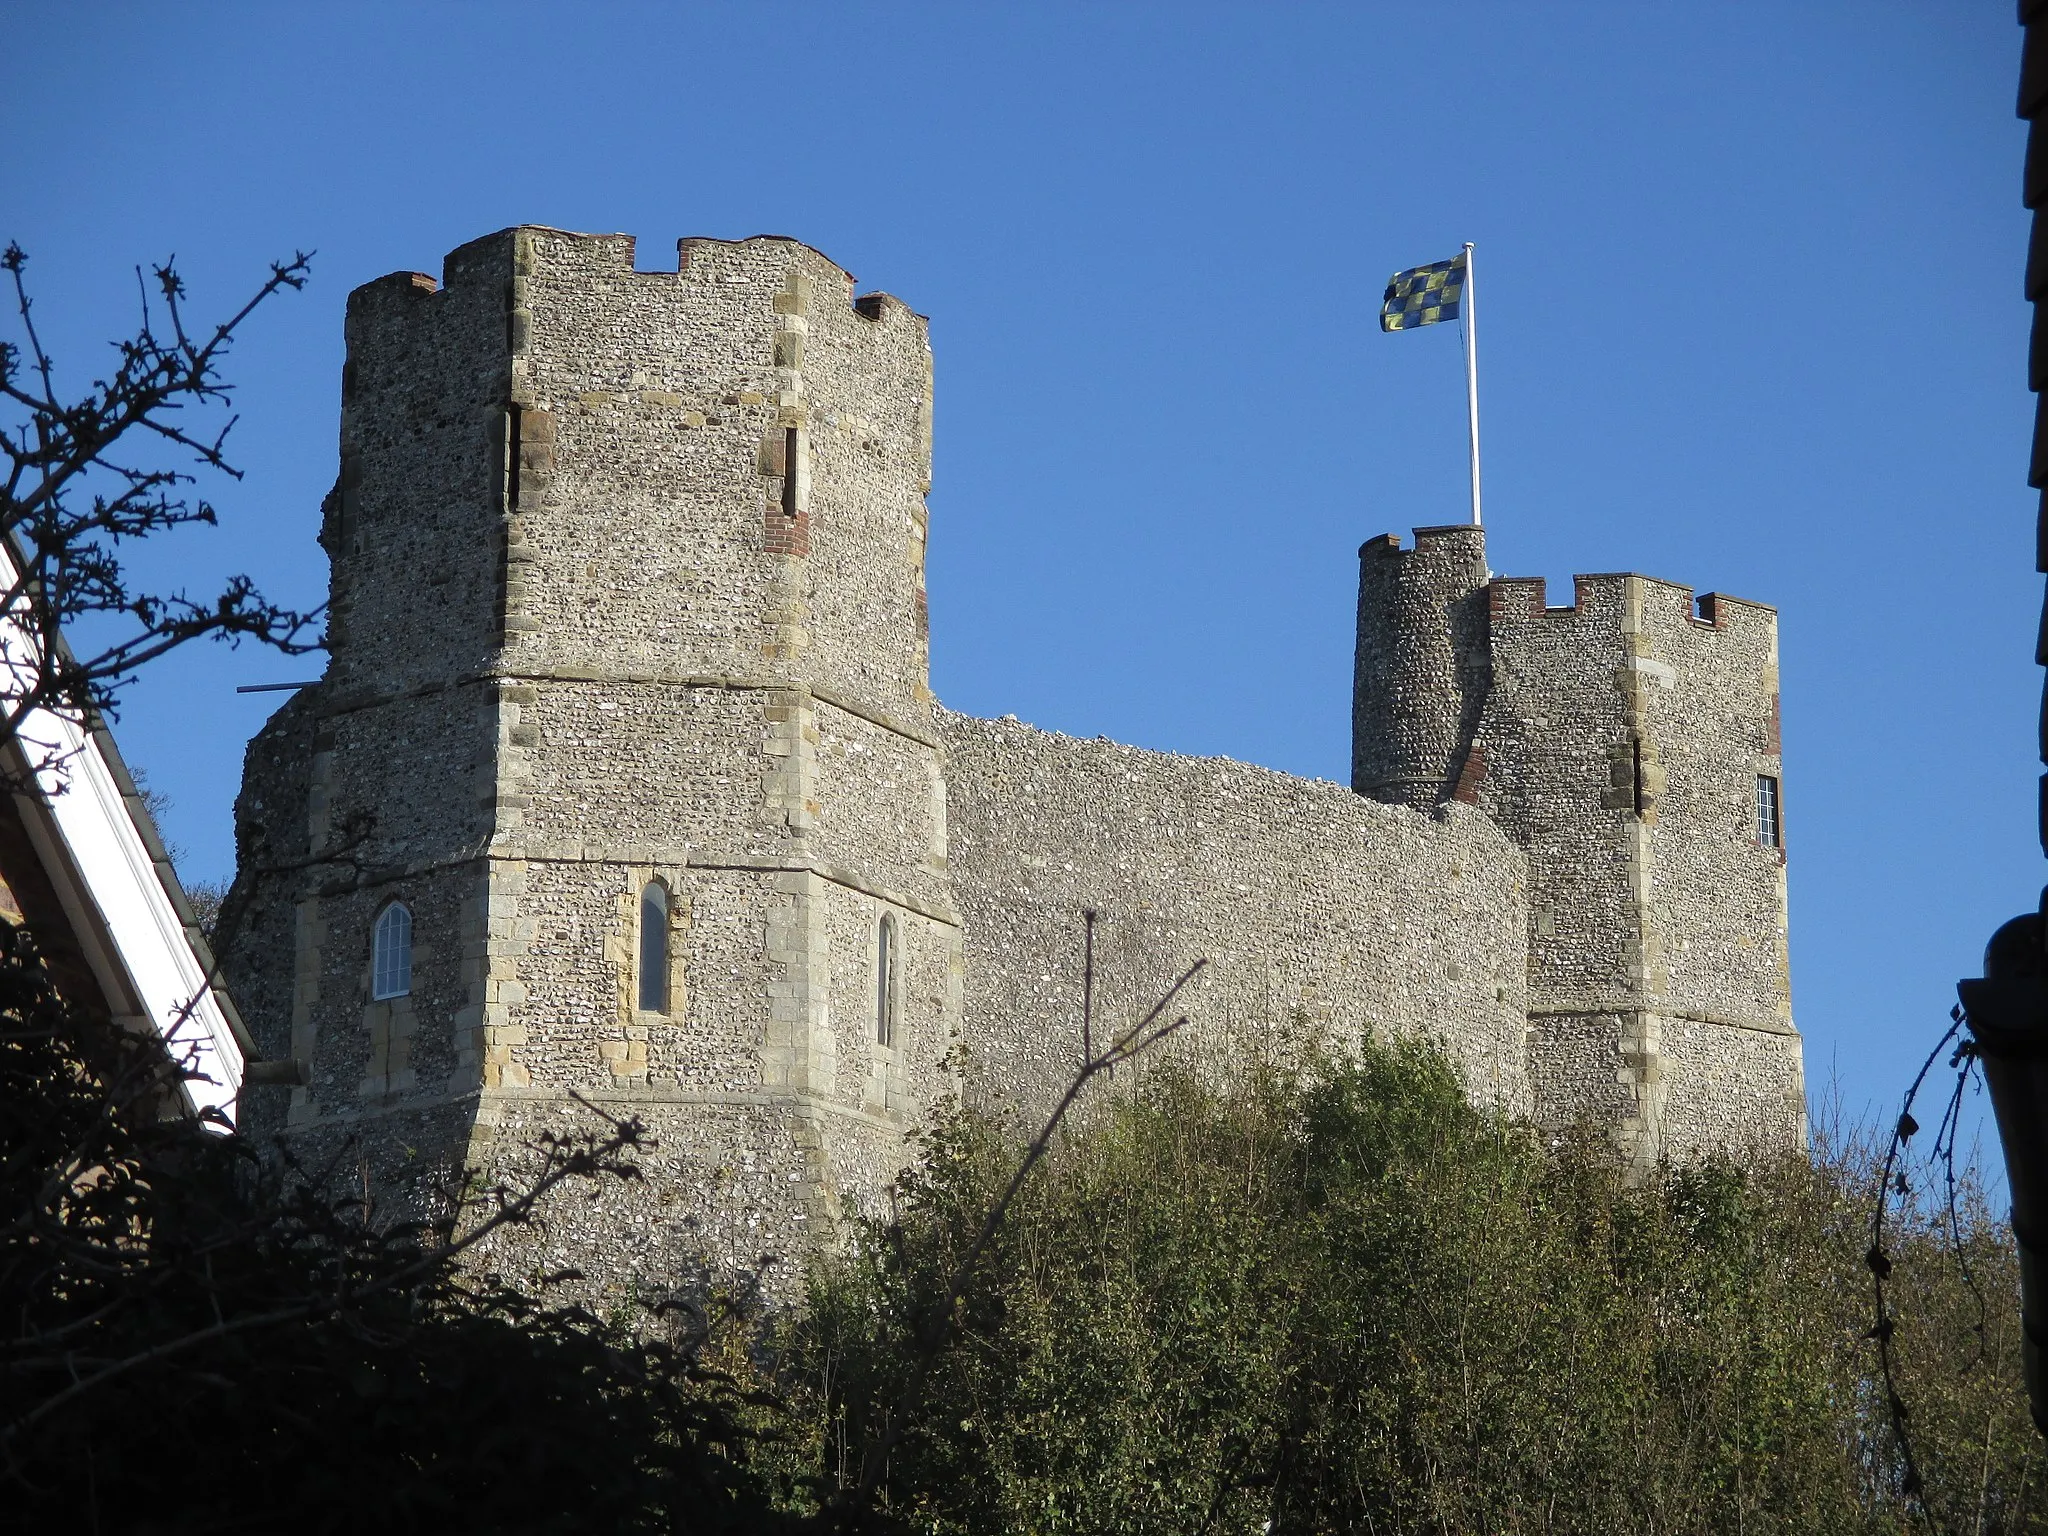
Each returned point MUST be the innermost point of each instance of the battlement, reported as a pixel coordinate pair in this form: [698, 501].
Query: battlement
[1393, 582]
[1444, 646]
[701, 260]
[1520, 600]
[1445, 538]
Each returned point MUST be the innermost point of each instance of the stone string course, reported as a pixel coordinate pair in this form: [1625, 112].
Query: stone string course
[628, 586]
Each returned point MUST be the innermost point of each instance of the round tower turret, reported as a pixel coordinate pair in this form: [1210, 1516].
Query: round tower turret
[1421, 671]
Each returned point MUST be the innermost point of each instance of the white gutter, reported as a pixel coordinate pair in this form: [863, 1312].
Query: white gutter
[147, 935]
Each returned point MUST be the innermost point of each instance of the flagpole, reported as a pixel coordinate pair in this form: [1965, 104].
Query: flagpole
[1471, 313]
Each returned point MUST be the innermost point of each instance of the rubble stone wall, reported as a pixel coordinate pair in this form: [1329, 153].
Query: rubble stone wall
[1311, 904]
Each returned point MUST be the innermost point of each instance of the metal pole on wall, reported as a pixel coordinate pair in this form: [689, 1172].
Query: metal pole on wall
[1469, 310]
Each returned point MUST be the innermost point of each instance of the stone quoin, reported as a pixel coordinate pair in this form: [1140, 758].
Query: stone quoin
[629, 672]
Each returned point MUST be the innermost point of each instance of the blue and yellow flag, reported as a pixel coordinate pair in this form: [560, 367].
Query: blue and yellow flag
[1423, 295]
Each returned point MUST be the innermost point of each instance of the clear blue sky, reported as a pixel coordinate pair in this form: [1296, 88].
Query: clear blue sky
[1753, 322]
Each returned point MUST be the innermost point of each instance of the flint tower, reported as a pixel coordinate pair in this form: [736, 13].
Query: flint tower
[1629, 744]
[628, 711]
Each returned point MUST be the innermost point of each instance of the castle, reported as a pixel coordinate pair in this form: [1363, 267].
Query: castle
[625, 781]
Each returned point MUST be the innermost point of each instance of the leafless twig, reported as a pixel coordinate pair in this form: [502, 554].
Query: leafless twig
[81, 477]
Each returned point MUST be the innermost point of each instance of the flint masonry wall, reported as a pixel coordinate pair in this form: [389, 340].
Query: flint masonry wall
[1618, 742]
[1621, 744]
[1311, 903]
[387, 764]
[677, 397]
[715, 614]
[628, 587]
[628, 576]
[1422, 665]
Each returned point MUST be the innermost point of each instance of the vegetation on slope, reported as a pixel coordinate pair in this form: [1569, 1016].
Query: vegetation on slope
[1332, 1297]
[1340, 1298]
[196, 1338]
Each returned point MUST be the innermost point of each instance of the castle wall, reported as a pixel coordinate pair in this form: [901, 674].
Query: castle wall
[1729, 1089]
[1555, 765]
[726, 1185]
[592, 749]
[384, 765]
[414, 527]
[1731, 1056]
[342, 810]
[765, 1130]
[1716, 729]
[628, 587]
[654, 532]
[1310, 903]
[1620, 745]
[881, 805]
[254, 939]
[715, 613]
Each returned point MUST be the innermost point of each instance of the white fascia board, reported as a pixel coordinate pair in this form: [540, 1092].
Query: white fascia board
[147, 936]
[120, 879]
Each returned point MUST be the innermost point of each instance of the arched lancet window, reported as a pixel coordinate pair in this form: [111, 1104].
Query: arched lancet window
[885, 981]
[654, 948]
[391, 953]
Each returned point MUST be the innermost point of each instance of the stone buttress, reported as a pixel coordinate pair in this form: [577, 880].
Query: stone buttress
[628, 593]
[1629, 744]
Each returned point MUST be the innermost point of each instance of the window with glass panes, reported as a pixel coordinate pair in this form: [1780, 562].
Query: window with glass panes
[1768, 826]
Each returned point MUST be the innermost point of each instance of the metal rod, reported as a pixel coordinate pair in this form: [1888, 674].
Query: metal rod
[1088, 993]
[275, 687]
[1468, 308]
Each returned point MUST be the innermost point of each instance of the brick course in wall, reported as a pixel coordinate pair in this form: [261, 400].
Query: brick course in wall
[628, 588]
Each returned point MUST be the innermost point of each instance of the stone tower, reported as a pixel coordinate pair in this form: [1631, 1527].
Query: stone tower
[627, 708]
[1629, 744]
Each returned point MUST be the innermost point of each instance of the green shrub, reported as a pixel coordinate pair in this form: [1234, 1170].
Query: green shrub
[194, 1338]
[1340, 1298]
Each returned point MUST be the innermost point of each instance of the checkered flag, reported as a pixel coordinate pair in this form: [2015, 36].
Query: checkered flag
[1423, 295]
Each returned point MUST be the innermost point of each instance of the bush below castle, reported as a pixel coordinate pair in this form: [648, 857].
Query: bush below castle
[1337, 1298]
[1343, 1299]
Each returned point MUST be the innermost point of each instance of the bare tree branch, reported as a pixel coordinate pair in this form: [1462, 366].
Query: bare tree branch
[79, 483]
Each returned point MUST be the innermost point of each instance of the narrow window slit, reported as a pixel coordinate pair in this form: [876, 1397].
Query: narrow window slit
[885, 982]
[1770, 829]
[654, 948]
[512, 446]
[789, 454]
